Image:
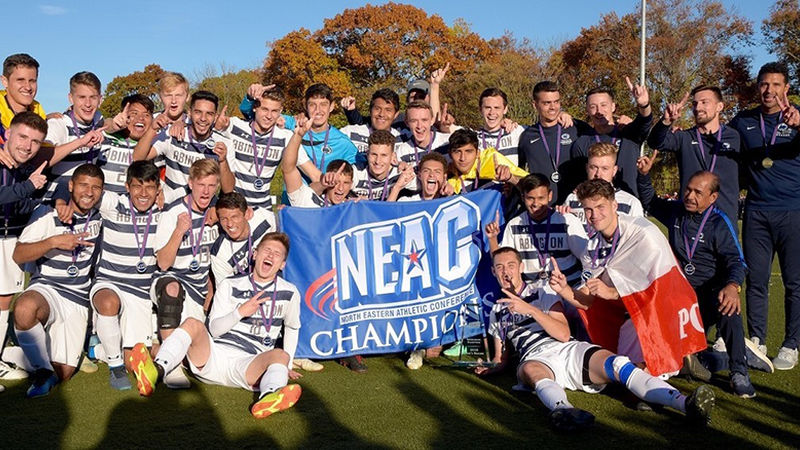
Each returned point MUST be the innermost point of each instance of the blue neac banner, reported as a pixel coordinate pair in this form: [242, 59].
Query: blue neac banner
[381, 277]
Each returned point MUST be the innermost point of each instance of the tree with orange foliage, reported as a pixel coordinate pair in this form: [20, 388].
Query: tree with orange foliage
[143, 82]
[781, 32]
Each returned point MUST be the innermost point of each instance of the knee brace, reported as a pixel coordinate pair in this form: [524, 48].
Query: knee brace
[169, 307]
[619, 368]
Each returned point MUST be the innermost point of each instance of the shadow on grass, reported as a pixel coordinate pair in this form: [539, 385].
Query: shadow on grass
[33, 423]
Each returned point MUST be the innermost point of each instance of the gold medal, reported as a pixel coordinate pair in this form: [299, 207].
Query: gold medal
[767, 162]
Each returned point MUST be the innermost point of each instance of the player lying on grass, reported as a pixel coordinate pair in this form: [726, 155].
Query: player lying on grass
[238, 349]
[532, 319]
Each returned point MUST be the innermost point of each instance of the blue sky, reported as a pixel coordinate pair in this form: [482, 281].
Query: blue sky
[116, 38]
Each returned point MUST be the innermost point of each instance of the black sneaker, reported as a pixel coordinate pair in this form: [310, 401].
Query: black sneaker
[571, 419]
[354, 363]
[741, 385]
[699, 405]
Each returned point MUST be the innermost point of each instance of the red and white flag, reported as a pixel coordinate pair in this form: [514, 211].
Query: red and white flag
[660, 301]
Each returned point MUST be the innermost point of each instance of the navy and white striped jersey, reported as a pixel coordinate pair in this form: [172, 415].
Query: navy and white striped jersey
[566, 243]
[54, 268]
[305, 197]
[179, 155]
[525, 334]
[229, 256]
[122, 240]
[598, 251]
[359, 135]
[244, 162]
[249, 332]
[364, 185]
[194, 281]
[61, 131]
[115, 156]
[409, 153]
[627, 205]
[508, 144]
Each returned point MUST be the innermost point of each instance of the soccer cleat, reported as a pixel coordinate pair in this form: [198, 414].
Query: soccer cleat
[118, 378]
[177, 379]
[354, 363]
[756, 359]
[741, 385]
[693, 368]
[415, 359]
[277, 401]
[144, 370]
[786, 359]
[699, 405]
[571, 419]
[44, 380]
[307, 365]
[11, 373]
[455, 351]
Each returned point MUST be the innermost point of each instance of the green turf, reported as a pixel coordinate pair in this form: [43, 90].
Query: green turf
[394, 407]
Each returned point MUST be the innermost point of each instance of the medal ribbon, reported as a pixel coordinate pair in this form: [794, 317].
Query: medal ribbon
[596, 253]
[267, 324]
[717, 146]
[236, 264]
[539, 252]
[259, 164]
[321, 165]
[557, 158]
[690, 250]
[764, 132]
[143, 246]
[195, 245]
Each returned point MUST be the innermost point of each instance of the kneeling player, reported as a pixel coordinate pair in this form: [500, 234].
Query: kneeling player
[240, 349]
[550, 361]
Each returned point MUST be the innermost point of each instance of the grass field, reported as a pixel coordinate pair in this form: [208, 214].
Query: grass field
[393, 407]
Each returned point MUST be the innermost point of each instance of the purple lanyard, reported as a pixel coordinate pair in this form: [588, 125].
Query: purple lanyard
[141, 247]
[79, 135]
[427, 149]
[596, 253]
[690, 250]
[774, 131]
[557, 159]
[505, 319]
[79, 248]
[321, 165]
[613, 136]
[195, 245]
[267, 325]
[236, 264]
[499, 136]
[259, 164]
[540, 254]
[703, 149]
[7, 206]
[385, 185]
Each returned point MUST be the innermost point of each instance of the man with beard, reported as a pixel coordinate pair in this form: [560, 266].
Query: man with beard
[51, 316]
[708, 145]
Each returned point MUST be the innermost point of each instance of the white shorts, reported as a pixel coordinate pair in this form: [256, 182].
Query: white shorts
[190, 307]
[226, 366]
[567, 361]
[135, 315]
[628, 344]
[13, 278]
[65, 327]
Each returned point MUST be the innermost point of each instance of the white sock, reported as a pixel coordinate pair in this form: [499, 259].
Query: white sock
[34, 344]
[3, 328]
[110, 339]
[654, 390]
[173, 350]
[552, 395]
[276, 377]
